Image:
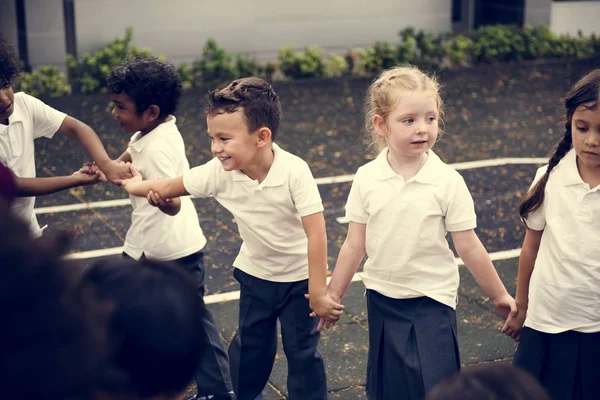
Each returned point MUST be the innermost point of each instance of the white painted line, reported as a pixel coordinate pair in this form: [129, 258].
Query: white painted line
[235, 295]
[95, 253]
[82, 206]
[328, 180]
[342, 220]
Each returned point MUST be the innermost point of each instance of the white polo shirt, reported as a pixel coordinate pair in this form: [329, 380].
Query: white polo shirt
[31, 119]
[564, 290]
[268, 214]
[406, 227]
[161, 154]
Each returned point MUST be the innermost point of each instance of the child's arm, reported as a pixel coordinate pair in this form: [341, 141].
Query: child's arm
[529, 251]
[349, 258]
[471, 251]
[320, 302]
[166, 188]
[168, 206]
[28, 187]
[75, 129]
[348, 261]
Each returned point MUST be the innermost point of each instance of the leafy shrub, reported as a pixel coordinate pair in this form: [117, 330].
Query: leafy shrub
[45, 81]
[381, 56]
[338, 66]
[309, 64]
[459, 50]
[186, 74]
[246, 66]
[90, 74]
[215, 67]
[498, 43]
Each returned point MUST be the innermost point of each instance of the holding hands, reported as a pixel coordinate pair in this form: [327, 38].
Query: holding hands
[327, 306]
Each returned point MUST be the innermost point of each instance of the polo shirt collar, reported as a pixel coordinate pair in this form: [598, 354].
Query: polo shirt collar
[427, 173]
[16, 116]
[276, 174]
[138, 142]
[570, 173]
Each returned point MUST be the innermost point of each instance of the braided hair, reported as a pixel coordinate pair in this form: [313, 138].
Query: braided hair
[586, 90]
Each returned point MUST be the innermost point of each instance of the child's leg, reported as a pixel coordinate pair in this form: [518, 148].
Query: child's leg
[412, 346]
[213, 375]
[253, 348]
[306, 370]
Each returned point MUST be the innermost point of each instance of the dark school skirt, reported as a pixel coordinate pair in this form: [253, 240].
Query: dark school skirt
[413, 345]
[567, 364]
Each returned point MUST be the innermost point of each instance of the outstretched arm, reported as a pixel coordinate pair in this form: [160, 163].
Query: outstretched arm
[349, 258]
[29, 187]
[476, 258]
[531, 244]
[75, 129]
[165, 188]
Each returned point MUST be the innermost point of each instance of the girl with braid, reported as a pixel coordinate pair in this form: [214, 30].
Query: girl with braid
[558, 284]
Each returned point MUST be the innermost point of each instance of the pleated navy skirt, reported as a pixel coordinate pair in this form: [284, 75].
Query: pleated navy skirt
[567, 364]
[413, 345]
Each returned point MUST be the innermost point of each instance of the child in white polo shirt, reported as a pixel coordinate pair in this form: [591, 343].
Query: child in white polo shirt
[558, 284]
[400, 207]
[145, 93]
[23, 119]
[278, 210]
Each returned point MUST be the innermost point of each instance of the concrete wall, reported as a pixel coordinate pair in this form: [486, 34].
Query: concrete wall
[178, 29]
[45, 32]
[537, 12]
[569, 17]
[8, 23]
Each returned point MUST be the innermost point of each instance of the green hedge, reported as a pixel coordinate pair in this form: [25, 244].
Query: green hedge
[485, 45]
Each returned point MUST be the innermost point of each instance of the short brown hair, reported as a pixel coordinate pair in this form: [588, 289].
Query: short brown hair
[255, 96]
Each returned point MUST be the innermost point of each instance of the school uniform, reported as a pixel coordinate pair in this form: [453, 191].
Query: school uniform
[560, 344]
[410, 273]
[272, 269]
[31, 119]
[178, 238]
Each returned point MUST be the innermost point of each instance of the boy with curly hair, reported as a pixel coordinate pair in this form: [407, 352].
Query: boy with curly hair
[145, 93]
[24, 118]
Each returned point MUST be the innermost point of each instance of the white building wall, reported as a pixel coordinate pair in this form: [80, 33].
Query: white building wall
[45, 32]
[537, 12]
[178, 29]
[8, 23]
[570, 17]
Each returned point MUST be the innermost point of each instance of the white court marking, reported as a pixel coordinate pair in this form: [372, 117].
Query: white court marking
[328, 180]
[235, 295]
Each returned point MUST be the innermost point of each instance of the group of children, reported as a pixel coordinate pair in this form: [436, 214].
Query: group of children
[400, 207]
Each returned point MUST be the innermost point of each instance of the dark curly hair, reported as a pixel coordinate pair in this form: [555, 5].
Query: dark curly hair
[156, 333]
[255, 96]
[53, 337]
[147, 81]
[10, 66]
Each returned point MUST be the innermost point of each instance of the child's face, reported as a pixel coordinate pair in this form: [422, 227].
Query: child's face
[7, 97]
[585, 128]
[230, 140]
[126, 115]
[411, 128]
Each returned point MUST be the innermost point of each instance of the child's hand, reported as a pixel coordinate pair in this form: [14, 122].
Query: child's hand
[513, 326]
[88, 175]
[117, 171]
[136, 176]
[327, 307]
[505, 305]
[157, 201]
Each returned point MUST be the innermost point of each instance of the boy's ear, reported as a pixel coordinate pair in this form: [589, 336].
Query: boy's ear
[380, 125]
[263, 136]
[153, 112]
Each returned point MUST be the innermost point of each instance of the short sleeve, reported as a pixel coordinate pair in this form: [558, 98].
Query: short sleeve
[305, 192]
[460, 208]
[46, 120]
[355, 207]
[202, 181]
[536, 220]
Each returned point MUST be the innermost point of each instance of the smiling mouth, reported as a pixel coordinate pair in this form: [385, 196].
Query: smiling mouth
[223, 158]
[5, 108]
[420, 142]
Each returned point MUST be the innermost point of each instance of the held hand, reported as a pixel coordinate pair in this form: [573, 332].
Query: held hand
[136, 176]
[327, 307]
[513, 326]
[118, 171]
[91, 168]
[157, 201]
[87, 176]
[505, 305]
